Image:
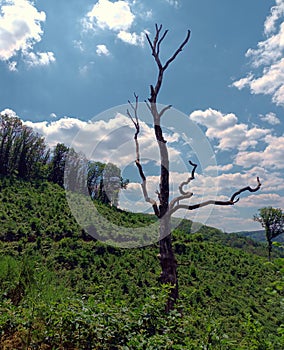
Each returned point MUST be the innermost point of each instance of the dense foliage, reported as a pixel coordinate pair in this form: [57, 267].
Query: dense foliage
[23, 153]
[61, 289]
[272, 220]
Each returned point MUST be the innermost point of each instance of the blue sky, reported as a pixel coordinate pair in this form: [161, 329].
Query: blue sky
[63, 63]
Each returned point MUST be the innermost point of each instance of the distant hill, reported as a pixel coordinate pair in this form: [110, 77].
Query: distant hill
[259, 236]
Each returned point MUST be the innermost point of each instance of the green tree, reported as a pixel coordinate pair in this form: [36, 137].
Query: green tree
[10, 127]
[57, 164]
[105, 182]
[272, 220]
[95, 179]
[23, 152]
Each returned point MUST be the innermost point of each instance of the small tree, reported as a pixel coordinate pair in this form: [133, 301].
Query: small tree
[57, 164]
[272, 220]
[163, 207]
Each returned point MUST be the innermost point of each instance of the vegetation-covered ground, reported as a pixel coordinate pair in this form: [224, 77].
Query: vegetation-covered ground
[61, 289]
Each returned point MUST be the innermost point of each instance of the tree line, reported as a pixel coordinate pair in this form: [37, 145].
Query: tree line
[25, 154]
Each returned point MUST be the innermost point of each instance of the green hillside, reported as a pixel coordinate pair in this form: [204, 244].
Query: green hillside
[259, 236]
[61, 289]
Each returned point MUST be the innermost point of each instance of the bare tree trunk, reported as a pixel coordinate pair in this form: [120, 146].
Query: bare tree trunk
[163, 209]
[168, 263]
[167, 258]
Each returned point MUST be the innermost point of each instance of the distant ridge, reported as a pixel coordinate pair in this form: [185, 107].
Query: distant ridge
[258, 236]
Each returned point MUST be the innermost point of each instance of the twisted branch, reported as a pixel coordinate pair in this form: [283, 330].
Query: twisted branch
[184, 195]
[135, 121]
[231, 201]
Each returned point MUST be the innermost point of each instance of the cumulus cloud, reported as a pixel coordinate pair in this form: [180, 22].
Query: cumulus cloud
[263, 199]
[272, 156]
[270, 118]
[269, 56]
[39, 58]
[226, 129]
[276, 12]
[132, 38]
[20, 30]
[116, 16]
[102, 50]
[105, 140]
[112, 15]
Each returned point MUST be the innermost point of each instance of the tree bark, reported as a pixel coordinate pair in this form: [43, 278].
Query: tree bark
[167, 258]
[168, 263]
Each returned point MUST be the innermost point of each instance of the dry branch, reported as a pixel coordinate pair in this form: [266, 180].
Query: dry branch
[155, 47]
[184, 195]
[135, 121]
[231, 201]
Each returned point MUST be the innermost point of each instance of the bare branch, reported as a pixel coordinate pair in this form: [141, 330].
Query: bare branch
[160, 41]
[170, 60]
[164, 110]
[246, 189]
[232, 200]
[155, 47]
[158, 30]
[150, 42]
[189, 179]
[135, 121]
[184, 195]
[148, 105]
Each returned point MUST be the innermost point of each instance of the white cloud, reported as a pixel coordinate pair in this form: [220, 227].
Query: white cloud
[85, 69]
[271, 179]
[269, 56]
[225, 129]
[270, 118]
[116, 16]
[12, 66]
[132, 38]
[62, 130]
[219, 168]
[214, 119]
[262, 200]
[78, 44]
[39, 58]
[20, 28]
[271, 157]
[175, 3]
[102, 50]
[276, 12]
[111, 15]
[9, 112]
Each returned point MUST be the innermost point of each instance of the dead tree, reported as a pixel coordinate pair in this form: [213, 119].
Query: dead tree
[162, 207]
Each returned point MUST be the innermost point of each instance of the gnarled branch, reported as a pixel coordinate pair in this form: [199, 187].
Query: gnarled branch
[231, 201]
[184, 195]
[135, 121]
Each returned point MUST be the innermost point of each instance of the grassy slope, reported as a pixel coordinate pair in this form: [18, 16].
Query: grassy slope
[69, 291]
